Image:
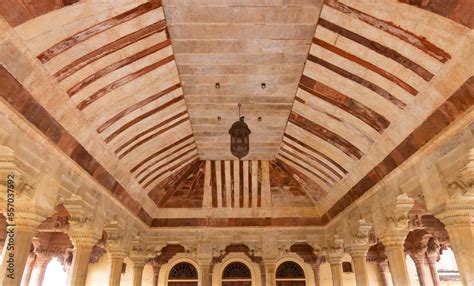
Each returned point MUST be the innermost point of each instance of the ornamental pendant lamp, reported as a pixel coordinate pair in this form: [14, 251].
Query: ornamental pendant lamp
[239, 138]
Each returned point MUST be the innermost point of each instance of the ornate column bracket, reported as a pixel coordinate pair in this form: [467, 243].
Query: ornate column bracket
[416, 245]
[358, 250]
[458, 218]
[393, 238]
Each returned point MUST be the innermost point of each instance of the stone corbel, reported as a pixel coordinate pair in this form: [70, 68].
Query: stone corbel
[190, 248]
[116, 241]
[81, 226]
[335, 250]
[361, 239]
[463, 183]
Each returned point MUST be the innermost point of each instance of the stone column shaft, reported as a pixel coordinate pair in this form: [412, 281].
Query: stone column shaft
[359, 259]
[398, 266]
[205, 274]
[116, 262]
[461, 238]
[14, 260]
[80, 262]
[434, 272]
[25, 280]
[360, 271]
[156, 273]
[384, 271]
[316, 267]
[138, 266]
[39, 270]
[336, 274]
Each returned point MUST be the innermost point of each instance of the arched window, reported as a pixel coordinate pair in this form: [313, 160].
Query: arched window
[290, 274]
[236, 274]
[183, 274]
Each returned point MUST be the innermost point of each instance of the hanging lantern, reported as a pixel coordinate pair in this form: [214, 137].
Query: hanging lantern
[239, 138]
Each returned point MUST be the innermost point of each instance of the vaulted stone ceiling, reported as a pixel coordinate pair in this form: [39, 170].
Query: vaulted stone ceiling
[126, 89]
[240, 44]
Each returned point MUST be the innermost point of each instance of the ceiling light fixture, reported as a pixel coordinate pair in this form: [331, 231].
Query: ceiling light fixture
[239, 138]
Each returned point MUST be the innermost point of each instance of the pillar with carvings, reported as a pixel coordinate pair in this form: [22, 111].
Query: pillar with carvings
[39, 269]
[393, 238]
[358, 251]
[83, 239]
[376, 254]
[416, 245]
[30, 262]
[432, 256]
[334, 257]
[116, 246]
[458, 218]
[19, 236]
[139, 257]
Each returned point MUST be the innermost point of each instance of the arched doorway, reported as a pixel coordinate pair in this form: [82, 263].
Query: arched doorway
[290, 273]
[183, 274]
[236, 274]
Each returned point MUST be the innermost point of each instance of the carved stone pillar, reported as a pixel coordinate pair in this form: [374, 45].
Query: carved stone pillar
[83, 240]
[334, 257]
[156, 273]
[138, 266]
[358, 251]
[205, 267]
[359, 259]
[384, 270]
[19, 236]
[396, 257]
[458, 218]
[336, 270]
[39, 269]
[460, 228]
[30, 262]
[432, 257]
[416, 246]
[393, 238]
[270, 268]
[116, 262]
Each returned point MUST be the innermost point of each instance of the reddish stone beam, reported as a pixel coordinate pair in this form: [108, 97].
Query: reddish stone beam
[378, 48]
[363, 82]
[142, 117]
[393, 78]
[156, 134]
[122, 81]
[301, 143]
[309, 158]
[171, 146]
[285, 154]
[352, 106]
[175, 165]
[151, 129]
[109, 48]
[136, 106]
[98, 28]
[418, 41]
[326, 134]
[455, 106]
[117, 65]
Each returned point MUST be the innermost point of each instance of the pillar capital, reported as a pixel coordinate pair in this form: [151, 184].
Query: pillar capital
[358, 250]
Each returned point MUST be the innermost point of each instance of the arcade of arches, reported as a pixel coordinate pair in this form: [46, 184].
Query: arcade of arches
[115, 162]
